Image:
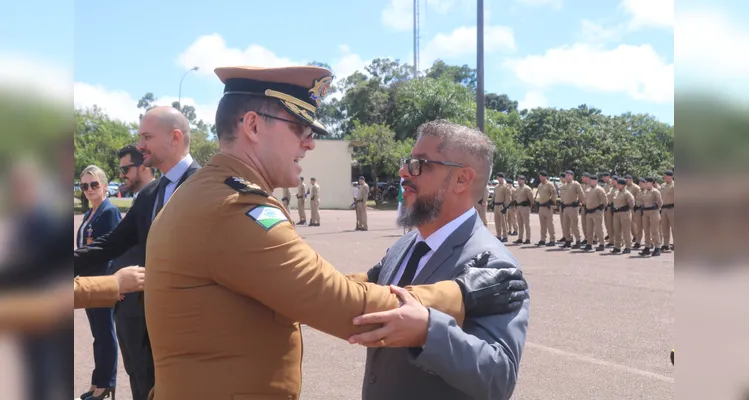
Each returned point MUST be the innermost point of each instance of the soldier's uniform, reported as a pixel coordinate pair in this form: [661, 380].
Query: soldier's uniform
[585, 183]
[361, 205]
[286, 198]
[651, 219]
[573, 196]
[608, 217]
[314, 203]
[512, 215]
[635, 190]
[301, 192]
[595, 202]
[502, 199]
[623, 202]
[637, 213]
[547, 199]
[481, 205]
[562, 188]
[524, 202]
[667, 212]
[229, 280]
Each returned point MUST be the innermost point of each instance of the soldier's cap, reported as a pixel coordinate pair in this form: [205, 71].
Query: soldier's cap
[312, 179]
[593, 177]
[299, 89]
[569, 172]
[562, 175]
[361, 177]
[669, 173]
[543, 173]
[615, 177]
[521, 177]
[605, 174]
[628, 176]
[621, 181]
[586, 174]
[501, 174]
[641, 180]
[649, 179]
[509, 180]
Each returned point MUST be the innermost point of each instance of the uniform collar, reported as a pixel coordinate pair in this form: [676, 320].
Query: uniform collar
[239, 169]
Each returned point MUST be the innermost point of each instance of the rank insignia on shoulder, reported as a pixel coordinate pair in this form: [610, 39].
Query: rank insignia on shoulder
[242, 186]
[267, 216]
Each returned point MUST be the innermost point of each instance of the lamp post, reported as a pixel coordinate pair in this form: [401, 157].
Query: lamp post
[480, 65]
[179, 101]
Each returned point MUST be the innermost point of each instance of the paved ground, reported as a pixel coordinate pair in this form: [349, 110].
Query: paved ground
[601, 326]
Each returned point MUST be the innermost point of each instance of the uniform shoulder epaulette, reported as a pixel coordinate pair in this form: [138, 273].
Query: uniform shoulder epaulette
[242, 186]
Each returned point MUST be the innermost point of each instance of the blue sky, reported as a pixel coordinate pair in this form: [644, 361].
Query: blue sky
[616, 55]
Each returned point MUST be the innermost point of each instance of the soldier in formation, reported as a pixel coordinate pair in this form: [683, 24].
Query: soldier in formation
[502, 199]
[547, 199]
[361, 205]
[301, 193]
[314, 202]
[523, 198]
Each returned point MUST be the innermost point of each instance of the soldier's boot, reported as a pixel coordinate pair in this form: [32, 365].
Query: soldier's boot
[562, 240]
[584, 242]
[541, 243]
[503, 240]
[665, 247]
[609, 245]
[519, 241]
[615, 251]
[600, 247]
[577, 245]
[656, 252]
[626, 251]
[588, 247]
[550, 244]
[645, 252]
[672, 247]
[636, 245]
[527, 241]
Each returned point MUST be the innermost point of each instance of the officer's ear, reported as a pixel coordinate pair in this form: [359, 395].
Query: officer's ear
[250, 122]
[465, 180]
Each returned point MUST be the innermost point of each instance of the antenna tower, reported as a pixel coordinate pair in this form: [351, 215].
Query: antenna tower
[416, 39]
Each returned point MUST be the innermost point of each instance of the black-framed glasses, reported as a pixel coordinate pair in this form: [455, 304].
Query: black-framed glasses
[93, 185]
[414, 164]
[125, 168]
[307, 133]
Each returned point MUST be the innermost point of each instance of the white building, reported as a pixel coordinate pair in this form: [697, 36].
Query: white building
[330, 163]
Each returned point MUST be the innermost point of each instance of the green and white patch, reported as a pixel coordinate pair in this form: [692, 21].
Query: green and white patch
[267, 216]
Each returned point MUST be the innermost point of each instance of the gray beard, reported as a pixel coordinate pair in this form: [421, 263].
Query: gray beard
[423, 211]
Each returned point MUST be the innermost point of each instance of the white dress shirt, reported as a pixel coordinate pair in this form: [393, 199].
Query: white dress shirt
[434, 241]
[174, 175]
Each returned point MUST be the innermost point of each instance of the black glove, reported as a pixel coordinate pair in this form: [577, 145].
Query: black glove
[374, 273]
[491, 291]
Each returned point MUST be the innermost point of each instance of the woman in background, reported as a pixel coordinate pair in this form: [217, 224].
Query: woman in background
[99, 220]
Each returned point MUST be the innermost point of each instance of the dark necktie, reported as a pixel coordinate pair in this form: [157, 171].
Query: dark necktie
[161, 194]
[408, 274]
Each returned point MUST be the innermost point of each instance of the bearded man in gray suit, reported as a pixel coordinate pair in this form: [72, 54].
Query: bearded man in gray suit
[445, 176]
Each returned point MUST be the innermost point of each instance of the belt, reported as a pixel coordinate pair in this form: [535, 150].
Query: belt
[599, 208]
[637, 208]
[666, 206]
[524, 204]
[573, 204]
[621, 209]
[546, 204]
[653, 208]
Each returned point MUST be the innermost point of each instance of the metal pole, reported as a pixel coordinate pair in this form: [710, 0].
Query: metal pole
[416, 50]
[480, 66]
[179, 99]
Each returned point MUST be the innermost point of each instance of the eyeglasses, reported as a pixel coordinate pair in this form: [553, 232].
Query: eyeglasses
[126, 168]
[305, 134]
[415, 164]
[94, 185]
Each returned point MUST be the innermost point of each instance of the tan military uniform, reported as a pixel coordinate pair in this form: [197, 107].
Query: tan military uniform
[572, 197]
[586, 233]
[651, 217]
[229, 281]
[624, 202]
[512, 212]
[637, 216]
[547, 200]
[361, 207]
[608, 216]
[301, 191]
[562, 189]
[636, 222]
[286, 198]
[667, 214]
[502, 197]
[314, 204]
[595, 202]
[524, 201]
[95, 291]
[482, 204]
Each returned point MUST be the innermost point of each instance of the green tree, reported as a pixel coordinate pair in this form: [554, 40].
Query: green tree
[96, 141]
[375, 145]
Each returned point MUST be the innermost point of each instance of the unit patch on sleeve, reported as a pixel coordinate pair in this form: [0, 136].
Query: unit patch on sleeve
[267, 216]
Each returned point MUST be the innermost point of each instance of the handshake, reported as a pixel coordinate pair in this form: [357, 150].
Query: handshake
[487, 290]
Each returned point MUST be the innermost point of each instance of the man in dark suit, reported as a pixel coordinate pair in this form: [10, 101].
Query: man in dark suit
[164, 142]
[445, 177]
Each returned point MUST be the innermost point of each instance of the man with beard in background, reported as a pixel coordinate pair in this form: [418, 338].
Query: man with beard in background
[133, 173]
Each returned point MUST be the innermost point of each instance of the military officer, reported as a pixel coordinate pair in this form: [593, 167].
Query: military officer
[523, 202]
[585, 184]
[286, 197]
[502, 198]
[637, 212]
[361, 205]
[512, 215]
[623, 202]
[635, 190]
[562, 222]
[301, 193]
[572, 197]
[314, 202]
[595, 202]
[608, 217]
[547, 200]
[651, 217]
[667, 211]
[481, 205]
[228, 280]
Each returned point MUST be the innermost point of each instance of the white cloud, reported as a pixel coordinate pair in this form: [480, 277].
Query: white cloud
[649, 13]
[399, 14]
[637, 71]
[540, 3]
[595, 33]
[462, 41]
[36, 77]
[348, 63]
[533, 99]
[121, 105]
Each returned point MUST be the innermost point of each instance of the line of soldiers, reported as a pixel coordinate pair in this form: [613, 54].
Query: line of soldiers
[627, 210]
[301, 197]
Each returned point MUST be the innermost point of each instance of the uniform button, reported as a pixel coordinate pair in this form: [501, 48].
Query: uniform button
[372, 378]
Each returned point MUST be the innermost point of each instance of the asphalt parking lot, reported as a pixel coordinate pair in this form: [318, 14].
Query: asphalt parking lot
[601, 325]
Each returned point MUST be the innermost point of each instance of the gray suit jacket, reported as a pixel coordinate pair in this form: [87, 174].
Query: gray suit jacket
[480, 361]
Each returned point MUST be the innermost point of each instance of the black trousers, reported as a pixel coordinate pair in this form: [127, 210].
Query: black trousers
[136, 351]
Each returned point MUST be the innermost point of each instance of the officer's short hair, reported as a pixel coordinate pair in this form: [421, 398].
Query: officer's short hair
[233, 107]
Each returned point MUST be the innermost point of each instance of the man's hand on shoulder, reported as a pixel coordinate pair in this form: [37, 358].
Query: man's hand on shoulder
[405, 326]
[491, 290]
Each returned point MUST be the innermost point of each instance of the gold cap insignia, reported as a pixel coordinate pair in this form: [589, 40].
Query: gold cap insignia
[320, 89]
